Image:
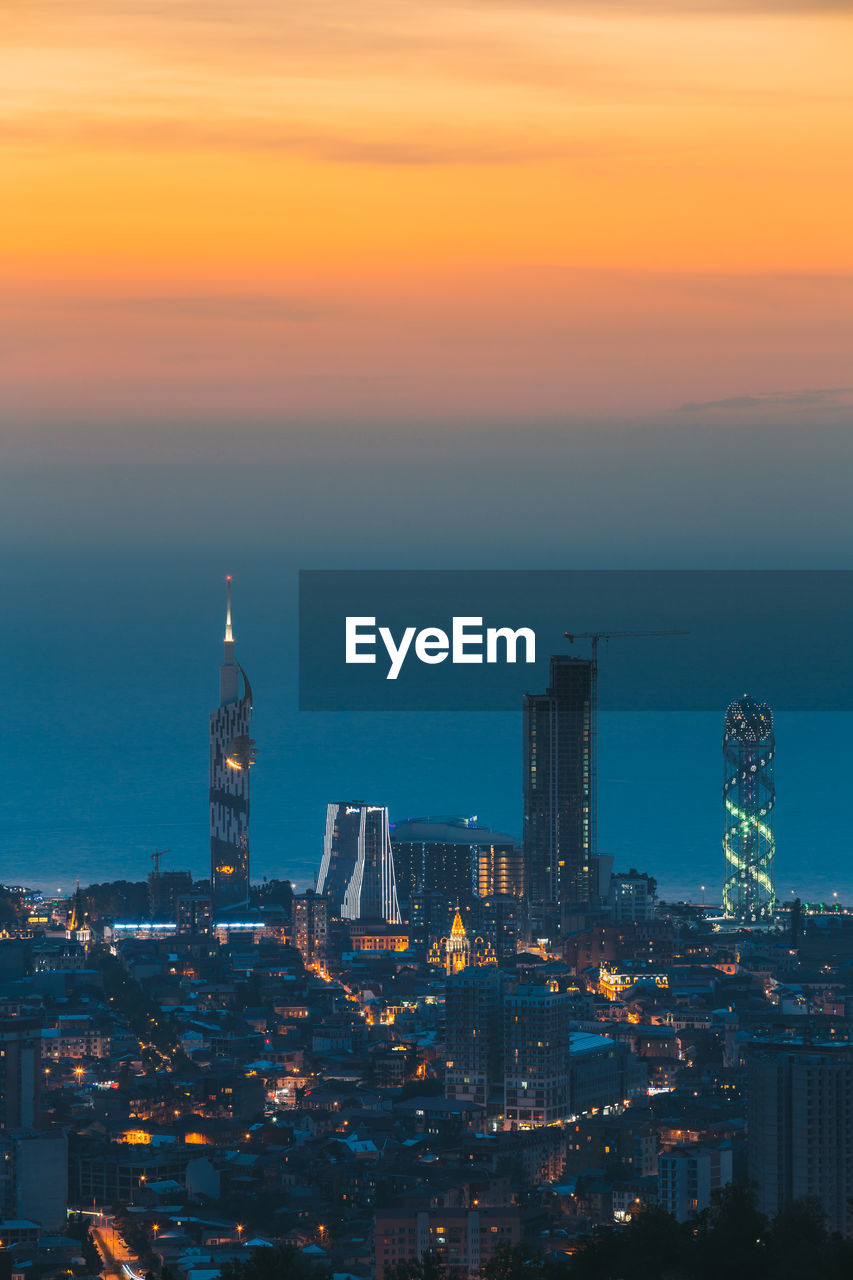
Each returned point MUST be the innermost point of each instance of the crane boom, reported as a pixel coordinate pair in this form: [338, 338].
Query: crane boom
[155, 858]
[571, 636]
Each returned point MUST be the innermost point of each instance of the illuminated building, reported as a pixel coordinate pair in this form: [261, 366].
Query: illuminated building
[510, 1047]
[310, 916]
[492, 924]
[536, 1027]
[232, 754]
[357, 870]
[373, 941]
[500, 870]
[431, 918]
[142, 929]
[749, 796]
[103, 1174]
[603, 1074]
[799, 1125]
[194, 913]
[458, 949]
[34, 1179]
[77, 927]
[455, 857]
[500, 921]
[20, 1073]
[464, 1239]
[473, 1041]
[164, 889]
[689, 1176]
[631, 898]
[558, 799]
[614, 984]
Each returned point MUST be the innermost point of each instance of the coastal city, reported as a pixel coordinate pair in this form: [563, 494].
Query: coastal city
[461, 1053]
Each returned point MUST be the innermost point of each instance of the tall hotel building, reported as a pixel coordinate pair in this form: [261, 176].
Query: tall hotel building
[558, 788]
[749, 796]
[357, 871]
[231, 757]
[456, 857]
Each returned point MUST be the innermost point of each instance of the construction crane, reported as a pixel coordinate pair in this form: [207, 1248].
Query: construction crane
[155, 858]
[594, 637]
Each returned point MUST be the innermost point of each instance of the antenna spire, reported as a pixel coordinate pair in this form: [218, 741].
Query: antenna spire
[229, 637]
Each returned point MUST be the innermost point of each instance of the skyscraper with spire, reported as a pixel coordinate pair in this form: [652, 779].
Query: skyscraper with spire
[232, 754]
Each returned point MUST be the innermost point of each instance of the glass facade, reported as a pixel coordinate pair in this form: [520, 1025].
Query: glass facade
[749, 797]
[558, 780]
[357, 871]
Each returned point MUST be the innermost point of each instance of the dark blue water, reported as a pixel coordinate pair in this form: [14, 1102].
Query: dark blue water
[112, 669]
[112, 585]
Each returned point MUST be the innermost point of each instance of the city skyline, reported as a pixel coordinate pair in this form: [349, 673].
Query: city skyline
[432, 325]
[303, 868]
[652, 330]
[243, 746]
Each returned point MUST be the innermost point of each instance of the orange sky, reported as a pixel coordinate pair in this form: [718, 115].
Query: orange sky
[401, 208]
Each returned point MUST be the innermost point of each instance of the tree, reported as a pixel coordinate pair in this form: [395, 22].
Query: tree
[9, 908]
[79, 1229]
[272, 893]
[116, 899]
[514, 1262]
[731, 1236]
[280, 1263]
[652, 1246]
[430, 1266]
[798, 1244]
[732, 1239]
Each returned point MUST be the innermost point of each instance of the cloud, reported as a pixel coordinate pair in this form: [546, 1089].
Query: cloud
[675, 8]
[771, 399]
[249, 307]
[157, 134]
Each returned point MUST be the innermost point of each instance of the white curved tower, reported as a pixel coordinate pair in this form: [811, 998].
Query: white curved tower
[357, 871]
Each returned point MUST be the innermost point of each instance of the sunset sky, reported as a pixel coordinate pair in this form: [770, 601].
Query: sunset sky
[396, 209]
[477, 284]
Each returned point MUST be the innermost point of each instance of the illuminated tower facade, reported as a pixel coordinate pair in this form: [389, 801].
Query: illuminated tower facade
[232, 754]
[357, 871]
[749, 796]
[558, 786]
[458, 952]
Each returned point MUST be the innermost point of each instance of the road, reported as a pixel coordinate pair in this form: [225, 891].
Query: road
[119, 1262]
